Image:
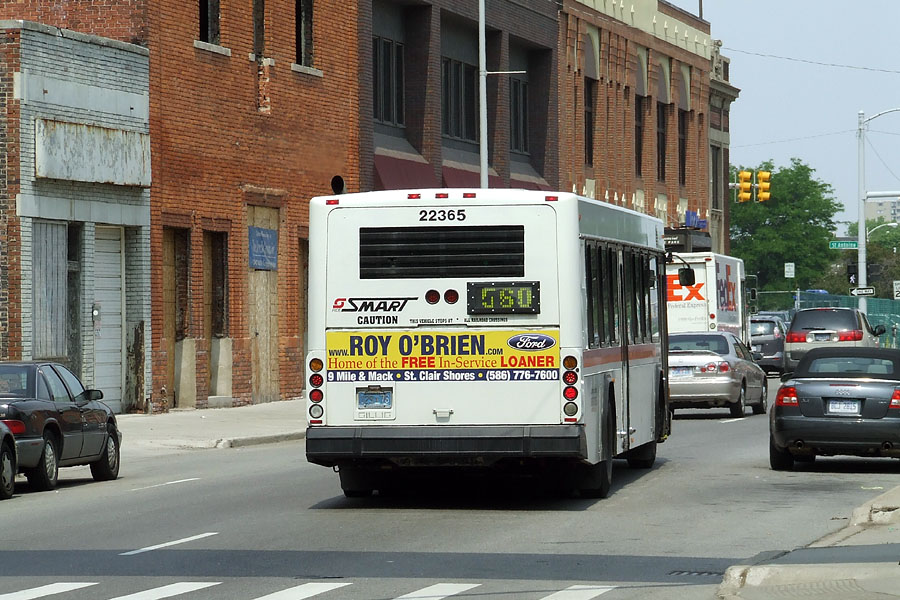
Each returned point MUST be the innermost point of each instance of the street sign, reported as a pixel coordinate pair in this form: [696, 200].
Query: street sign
[862, 291]
[896, 290]
[843, 245]
[788, 270]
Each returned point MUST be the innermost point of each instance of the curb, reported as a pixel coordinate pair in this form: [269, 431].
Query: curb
[259, 440]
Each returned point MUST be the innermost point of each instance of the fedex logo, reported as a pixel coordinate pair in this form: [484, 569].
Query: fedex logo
[727, 292]
[675, 292]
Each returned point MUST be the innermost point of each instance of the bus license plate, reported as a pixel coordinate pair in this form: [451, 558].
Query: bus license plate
[368, 399]
[843, 407]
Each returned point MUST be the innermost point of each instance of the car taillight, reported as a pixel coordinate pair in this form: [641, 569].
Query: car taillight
[854, 335]
[895, 400]
[16, 427]
[724, 367]
[787, 396]
[795, 337]
[716, 367]
[777, 334]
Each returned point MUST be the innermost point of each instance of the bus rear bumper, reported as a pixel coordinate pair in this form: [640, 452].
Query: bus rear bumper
[458, 445]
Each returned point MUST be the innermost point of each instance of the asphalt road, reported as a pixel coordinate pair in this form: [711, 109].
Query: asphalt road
[260, 522]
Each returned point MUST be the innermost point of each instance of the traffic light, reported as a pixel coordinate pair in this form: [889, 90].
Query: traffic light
[745, 186]
[762, 185]
[853, 273]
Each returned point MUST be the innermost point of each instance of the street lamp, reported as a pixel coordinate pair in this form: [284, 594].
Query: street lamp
[877, 227]
[861, 182]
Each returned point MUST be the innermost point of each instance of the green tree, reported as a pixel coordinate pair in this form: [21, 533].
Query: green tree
[882, 264]
[795, 226]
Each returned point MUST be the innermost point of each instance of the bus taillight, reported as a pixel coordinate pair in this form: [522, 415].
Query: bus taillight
[468, 194]
[570, 393]
[315, 365]
[571, 409]
[432, 296]
[316, 380]
[570, 377]
[316, 411]
[570, 362]
[316, 395]
[442, 195]
[451, 296]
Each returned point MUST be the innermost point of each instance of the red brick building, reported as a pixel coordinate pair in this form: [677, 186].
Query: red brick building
[253, 108]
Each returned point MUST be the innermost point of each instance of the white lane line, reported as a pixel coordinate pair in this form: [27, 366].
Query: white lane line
[438, 591]
[167, 591]
[164, 484]
[580, 592]
[307, 590]
[167, 544]
[44, 590]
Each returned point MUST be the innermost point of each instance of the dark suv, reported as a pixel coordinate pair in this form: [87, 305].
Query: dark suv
[767, 337]
[817, 327]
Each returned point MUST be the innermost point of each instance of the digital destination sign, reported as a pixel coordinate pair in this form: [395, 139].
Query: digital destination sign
[500, 298]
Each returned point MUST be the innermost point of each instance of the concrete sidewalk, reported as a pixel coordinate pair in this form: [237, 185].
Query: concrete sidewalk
[859, 562]
[215, 427]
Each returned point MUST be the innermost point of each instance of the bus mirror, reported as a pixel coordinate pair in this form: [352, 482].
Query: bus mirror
[686, 276]
[338, 186]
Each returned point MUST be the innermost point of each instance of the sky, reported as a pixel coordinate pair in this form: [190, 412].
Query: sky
[792, 104]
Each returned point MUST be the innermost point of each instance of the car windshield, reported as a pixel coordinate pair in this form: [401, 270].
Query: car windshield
[762, 327]
[14, 381]
[851, 366]
[836, 320]
[699, 342]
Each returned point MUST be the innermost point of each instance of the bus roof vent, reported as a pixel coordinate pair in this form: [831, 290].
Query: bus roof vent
[441, 252]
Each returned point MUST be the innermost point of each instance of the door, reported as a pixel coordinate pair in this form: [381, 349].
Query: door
[263, 318]
[69, 415]
[109, 290]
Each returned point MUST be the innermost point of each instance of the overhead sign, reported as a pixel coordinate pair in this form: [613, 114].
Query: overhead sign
[843, 245]
[862, 291]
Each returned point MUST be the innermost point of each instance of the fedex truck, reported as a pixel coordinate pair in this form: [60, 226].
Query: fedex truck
[715, 301]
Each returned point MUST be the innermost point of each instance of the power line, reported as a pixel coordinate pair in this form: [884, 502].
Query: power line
[813, 62]
[882, 160]
[797, 139]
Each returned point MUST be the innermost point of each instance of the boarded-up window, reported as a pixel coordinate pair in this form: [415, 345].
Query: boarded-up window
[215, 283]
[50, 272]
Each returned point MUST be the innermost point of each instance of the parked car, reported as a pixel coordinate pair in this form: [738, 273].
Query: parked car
[767, 337]
[816, 327]
[839, 400]
[712, 369]
[7, 462]
[57, 423]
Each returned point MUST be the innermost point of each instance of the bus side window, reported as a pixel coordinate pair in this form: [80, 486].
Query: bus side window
[607, 291]
[615, 292]
[600, 293]
[593, 300]
[595, 294]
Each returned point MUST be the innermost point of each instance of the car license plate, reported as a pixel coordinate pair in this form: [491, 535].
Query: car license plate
[681, 372]
[370, 399]
[823, 337]
[843, 407]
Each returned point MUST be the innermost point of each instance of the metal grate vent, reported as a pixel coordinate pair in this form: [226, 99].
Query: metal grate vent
[441, 252]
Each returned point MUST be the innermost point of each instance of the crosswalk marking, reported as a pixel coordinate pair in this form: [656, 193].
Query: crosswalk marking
[307, 590]
[438, 591]
[44, 590]
[167, 591]
[580, 592]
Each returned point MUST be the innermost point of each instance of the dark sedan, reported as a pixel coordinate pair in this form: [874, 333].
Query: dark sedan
[7, 462]
[57, 423]
[839, 401]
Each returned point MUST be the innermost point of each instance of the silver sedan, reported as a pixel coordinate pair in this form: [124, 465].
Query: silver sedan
[714, 369]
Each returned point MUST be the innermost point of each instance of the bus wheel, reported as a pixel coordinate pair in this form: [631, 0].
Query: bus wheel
[355, 482]
[642, 457]
[595, 480]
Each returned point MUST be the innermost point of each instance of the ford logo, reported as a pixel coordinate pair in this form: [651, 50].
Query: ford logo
[531, 342]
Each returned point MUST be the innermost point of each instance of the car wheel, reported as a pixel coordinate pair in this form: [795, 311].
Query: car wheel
[7, 472]
[45, 475]
[779, 460]
[107, 468]
[737, 409]
[762, 406]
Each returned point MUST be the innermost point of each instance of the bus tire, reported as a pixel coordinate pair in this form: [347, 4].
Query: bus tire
[355, 482]
[596, 480]
[643, 456]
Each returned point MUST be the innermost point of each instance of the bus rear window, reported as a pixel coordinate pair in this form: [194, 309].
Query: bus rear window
[441, 252]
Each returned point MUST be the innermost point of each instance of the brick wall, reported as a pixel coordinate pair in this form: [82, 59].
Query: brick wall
[123, 20]
[214, 153]
[10, 294]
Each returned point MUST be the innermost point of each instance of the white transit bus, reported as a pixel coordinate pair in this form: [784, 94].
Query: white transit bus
[484, 328]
